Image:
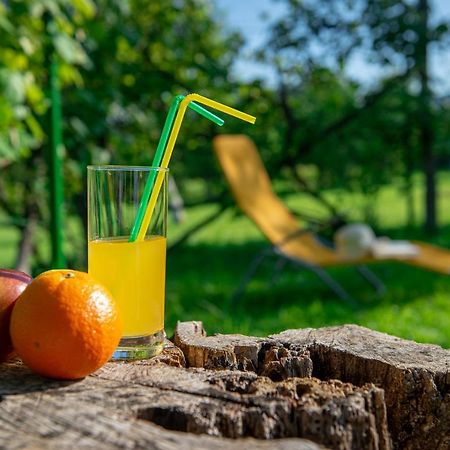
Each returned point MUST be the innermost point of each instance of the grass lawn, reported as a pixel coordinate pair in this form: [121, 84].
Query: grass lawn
[203, 274]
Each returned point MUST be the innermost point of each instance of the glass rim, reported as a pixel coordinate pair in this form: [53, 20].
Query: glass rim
[123, 168]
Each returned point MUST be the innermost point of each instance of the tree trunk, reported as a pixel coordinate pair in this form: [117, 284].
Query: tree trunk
[408, 176]
[309, 389]
[30, 214]
[415, 377]
[25, 251]
[425, 125]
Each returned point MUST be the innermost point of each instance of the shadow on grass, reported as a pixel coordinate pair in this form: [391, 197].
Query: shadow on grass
[202, 279]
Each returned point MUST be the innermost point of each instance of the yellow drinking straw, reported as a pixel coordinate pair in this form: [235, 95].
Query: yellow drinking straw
[171, 143]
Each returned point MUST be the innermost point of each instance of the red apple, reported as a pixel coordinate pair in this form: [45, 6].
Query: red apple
[12, 284]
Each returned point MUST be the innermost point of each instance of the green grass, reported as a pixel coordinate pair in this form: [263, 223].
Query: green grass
[202, 278]
[9, 239]
[203, 274]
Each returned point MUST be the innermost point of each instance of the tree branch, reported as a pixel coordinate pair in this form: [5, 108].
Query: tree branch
[199, 226]
[313, 192]
[371, 100]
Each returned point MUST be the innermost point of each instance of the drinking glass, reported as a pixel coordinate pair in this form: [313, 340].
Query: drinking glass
[134, 272]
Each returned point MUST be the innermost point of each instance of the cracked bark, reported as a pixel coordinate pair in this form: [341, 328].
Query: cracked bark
[415, 377]
[338, 388]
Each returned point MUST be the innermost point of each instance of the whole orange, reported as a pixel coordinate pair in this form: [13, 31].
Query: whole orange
[65, 325]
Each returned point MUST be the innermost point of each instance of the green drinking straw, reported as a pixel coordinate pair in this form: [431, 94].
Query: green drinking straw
[159, 154]
[171, 144]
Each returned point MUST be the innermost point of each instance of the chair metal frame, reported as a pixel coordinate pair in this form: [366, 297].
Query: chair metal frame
[322, 274]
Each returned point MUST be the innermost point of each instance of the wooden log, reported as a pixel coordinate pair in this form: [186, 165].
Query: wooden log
[109, 411]
[216, 352]
[415, 377]
[235, 404]
[235, 351]
[125, 405]
[309, 389]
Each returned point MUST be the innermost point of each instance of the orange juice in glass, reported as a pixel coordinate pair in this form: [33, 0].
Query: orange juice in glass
[134, 272]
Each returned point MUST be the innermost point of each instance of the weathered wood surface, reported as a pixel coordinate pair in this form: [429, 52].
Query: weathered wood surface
[341, 387]
[234, 404]
[235, 351]
[415, 377]
[118, 407]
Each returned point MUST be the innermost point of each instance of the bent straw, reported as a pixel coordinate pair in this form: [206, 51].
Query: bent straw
[172, 139]
[159, 154]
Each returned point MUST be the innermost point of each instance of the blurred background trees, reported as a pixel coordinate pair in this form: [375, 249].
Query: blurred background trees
[122, 61]
[362, 137]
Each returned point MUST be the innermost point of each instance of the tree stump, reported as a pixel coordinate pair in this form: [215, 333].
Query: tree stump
[339, 388]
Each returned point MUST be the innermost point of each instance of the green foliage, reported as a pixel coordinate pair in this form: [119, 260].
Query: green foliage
[25, 33]
[120, 63]
[360, 137]
[29, 32]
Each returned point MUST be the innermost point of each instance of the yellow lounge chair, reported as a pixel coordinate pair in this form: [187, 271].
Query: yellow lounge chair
[252, 189]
